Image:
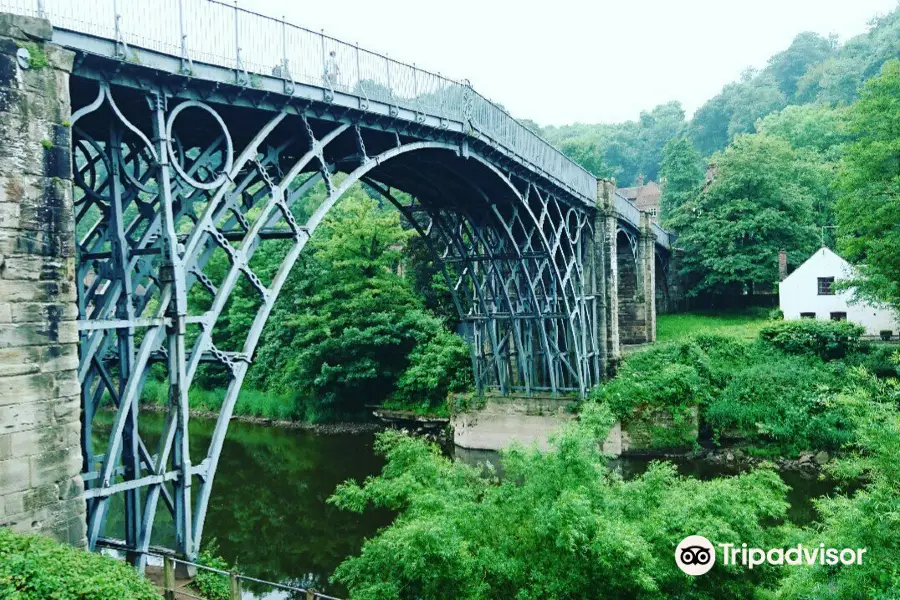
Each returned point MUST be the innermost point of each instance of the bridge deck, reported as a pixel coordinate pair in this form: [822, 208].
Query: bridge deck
[221, 43]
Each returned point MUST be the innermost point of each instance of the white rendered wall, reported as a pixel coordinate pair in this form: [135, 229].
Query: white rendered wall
[798, 293]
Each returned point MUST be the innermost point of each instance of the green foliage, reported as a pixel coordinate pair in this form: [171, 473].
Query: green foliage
[782, 401]
[211, 585]
[344, 334]
[756, 205]
[733, 111]
[838, 78]
[869, 187]
[437, 368]
[879, 359]
[657, 406]
[37, 568]
[622, 150]
[828, 340]
[427, 280]
[816, 127]
[789, 65]
[867, 519]
[38, 58]
[776, 393]
[682, 174]
[250, 402]
[557, 525]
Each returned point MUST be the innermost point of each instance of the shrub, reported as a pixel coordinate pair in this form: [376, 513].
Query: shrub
[672, 386]
[438, 367]
[213, 586]
[866, 519]
[659, 386]
[784, 400]
[776, 314]
[557, 525]
[37, 568]
[879, 359]
[828, 340]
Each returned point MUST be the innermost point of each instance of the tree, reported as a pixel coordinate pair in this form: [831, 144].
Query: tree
[869, 188]
[734, 110]
[789, 65]
[732, 232]
[587, 154]
[558, 524]
[817, 127]
[682, 174]
[344, 335]
[657, 127]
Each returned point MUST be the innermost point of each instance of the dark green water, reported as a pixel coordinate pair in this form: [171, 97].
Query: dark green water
[269, 514]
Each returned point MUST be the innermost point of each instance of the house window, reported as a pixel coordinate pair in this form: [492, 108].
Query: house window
[826, 286]
[807, 315]
[838, 316]
[653, 211]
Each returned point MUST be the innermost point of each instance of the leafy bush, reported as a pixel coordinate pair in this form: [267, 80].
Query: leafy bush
[557, 525]
[212, 586]
[867, 519]
[828, 340]
[784, 400]
[776, 314]
[879, 359]
[438, 367]
[37, 568]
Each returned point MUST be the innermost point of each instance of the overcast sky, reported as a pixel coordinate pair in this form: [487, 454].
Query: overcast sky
[566, 61]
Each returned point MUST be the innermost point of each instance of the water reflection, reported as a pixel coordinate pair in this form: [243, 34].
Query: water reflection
[268, 512]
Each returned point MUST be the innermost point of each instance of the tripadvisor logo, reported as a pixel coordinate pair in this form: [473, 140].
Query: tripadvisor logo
[695, 555]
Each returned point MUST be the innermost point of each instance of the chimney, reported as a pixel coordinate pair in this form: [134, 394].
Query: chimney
[782, 265]
[640, 180]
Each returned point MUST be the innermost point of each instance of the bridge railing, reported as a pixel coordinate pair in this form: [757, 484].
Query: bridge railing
[212, 32]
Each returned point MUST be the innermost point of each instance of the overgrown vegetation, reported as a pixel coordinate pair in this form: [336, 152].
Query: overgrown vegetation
[211, 585]
[775, 392]
[35, 567]
[557, 525]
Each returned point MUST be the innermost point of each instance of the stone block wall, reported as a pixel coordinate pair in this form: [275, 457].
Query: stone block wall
[40, 456]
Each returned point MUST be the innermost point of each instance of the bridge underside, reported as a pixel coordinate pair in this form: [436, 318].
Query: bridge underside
[179, 199]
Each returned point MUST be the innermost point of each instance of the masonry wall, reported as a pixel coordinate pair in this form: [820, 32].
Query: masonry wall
[40, 457]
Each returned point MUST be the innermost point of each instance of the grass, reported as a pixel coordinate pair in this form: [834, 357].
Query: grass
[250, 402]
[739, 324]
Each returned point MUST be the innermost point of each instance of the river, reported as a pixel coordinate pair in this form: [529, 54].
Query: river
[269, 514]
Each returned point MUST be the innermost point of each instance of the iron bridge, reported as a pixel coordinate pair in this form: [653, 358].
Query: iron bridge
[199, 132]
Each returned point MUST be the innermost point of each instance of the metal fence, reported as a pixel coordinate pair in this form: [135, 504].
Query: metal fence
[171, 590]
[225, 35]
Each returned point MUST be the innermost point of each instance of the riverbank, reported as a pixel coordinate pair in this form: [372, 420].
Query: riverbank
[328, 428]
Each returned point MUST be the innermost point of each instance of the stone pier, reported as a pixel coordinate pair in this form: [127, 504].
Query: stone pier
[40, 451]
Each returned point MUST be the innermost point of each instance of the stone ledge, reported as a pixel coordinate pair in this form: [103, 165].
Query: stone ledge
[24, 28]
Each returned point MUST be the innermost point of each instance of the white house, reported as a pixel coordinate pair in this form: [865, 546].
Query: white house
[809, 292]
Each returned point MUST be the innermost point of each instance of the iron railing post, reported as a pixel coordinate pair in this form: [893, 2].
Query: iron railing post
[234, 586]
[168, 578]
[239, 64]
[325, 74]
[182, 35]
[284, 58]
[358, 70]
